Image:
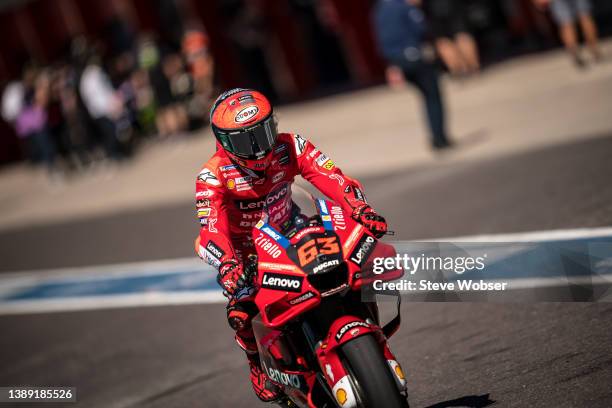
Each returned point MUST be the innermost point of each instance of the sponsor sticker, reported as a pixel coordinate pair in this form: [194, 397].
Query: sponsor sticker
[323, 207]
[278, 177]
[277, 266]
[291, 380]
[338, 218]
[300, 144]
[349, 326]
[259, 203]
[352, 237]
[208, 177]
[205, 193]
[208, 256]
[203, 212]
[303, 232]
[322, 159]
[302, 298]
[325, 265]
[329, 165]
[231, 184]
[278, 281]
[215, 250]
[242, 180]
[246, 114]
[244, 99]
[228, 167]
[205, 202]
[268, 246]
[363, 249]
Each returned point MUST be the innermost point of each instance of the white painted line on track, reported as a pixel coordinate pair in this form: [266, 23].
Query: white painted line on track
[533, 236]
[12, 282]
[110, 302]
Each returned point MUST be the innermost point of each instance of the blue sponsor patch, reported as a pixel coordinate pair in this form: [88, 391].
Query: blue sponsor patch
[325, 216]
[273, 233]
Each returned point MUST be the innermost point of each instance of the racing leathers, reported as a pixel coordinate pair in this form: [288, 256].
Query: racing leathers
[229, 202]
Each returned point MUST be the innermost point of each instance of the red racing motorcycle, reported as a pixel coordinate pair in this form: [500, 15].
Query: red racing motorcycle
[317, 339]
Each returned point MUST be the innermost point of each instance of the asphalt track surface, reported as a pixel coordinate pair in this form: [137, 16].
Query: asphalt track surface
[535, 355]
[566, 186]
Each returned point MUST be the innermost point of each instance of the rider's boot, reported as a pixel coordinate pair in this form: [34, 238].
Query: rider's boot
[265, 389]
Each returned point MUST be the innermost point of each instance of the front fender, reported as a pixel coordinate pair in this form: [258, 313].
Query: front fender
[341, 331]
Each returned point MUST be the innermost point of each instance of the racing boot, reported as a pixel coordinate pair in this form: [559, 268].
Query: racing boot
[263, 387]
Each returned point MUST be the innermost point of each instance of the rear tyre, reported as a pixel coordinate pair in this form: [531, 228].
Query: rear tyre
[371, 374]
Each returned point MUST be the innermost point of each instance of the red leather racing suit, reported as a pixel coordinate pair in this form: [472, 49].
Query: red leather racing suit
[229, 202]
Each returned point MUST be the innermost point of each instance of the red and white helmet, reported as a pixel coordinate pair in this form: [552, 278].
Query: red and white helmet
[243, 123]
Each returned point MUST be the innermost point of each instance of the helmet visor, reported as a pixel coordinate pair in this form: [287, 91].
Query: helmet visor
[250, 143]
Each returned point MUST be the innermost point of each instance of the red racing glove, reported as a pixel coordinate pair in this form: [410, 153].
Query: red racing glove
[231, 277]
[366, 216]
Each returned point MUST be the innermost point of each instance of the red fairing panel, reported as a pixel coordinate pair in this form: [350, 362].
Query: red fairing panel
[229, 201]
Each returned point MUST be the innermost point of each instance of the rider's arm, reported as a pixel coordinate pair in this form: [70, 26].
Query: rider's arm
[213, 243]
[321, 171]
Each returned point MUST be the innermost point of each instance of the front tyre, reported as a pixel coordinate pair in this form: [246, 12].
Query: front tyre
[371, 375]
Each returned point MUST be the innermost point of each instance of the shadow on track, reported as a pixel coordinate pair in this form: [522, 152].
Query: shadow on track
[470, 401]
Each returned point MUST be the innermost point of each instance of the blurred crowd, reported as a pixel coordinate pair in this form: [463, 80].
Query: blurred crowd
[410, 35]
[106, 94]
[89, 108]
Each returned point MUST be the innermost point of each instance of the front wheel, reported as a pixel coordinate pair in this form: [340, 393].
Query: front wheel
[371, 375]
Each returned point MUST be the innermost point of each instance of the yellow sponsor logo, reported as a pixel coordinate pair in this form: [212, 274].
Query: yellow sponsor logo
[328, 165]
[341, 396]
[203, 212]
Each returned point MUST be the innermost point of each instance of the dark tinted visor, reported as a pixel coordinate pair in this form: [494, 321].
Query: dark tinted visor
[251, 143]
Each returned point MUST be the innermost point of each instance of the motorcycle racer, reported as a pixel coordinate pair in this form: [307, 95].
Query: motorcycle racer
[254, 166]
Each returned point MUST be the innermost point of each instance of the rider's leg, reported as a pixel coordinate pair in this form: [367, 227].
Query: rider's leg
[239, 315]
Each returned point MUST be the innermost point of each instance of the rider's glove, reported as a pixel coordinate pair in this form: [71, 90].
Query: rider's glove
[366, 216]
[231, 277]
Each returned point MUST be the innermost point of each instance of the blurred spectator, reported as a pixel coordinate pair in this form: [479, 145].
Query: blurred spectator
[453, 42]
[12, 101]
[103, 104]
[171, 116]
[75, 115]
[32, 121]
[400, 31]
[201, 66]
[250, 32]
[565, 14]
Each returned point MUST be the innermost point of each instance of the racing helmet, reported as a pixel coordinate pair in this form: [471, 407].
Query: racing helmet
[244, 125]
